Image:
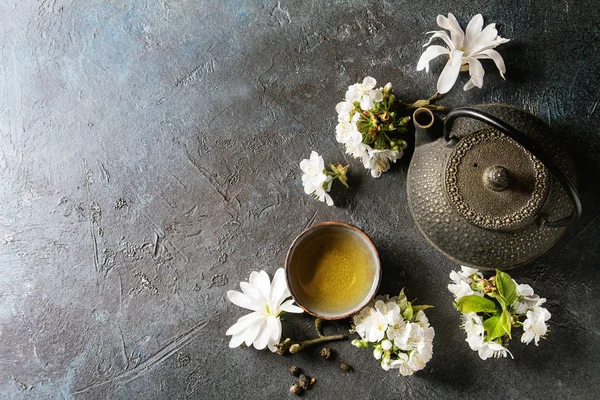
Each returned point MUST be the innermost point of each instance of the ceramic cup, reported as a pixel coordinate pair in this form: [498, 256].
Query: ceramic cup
[332, 270]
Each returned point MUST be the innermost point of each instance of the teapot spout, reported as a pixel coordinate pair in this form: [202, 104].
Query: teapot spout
[426, 127]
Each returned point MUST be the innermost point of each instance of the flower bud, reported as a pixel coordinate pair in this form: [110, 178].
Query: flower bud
[377, 353]
[386, 364]
[386, 344]
[294, 348]
[361, 344]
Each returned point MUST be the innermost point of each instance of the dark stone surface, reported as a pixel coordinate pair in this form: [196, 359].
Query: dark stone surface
[149, 161]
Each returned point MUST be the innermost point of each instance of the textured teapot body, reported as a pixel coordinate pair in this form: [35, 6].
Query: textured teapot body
[482, 199]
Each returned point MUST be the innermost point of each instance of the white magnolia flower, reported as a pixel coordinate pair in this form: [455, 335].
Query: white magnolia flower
[267, 300]
[526, 299]
[365, 93]
[314, 179]
[378, 161]
[462, 283]
[464, 51]
[534, 327]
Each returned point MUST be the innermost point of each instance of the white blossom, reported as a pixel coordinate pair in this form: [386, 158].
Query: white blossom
[365, 93]
[462, 280]
[493, 349]
[534, 327]
[314, 179]
[525, 300]
[378, 161]
[464, 51]
[267, 300]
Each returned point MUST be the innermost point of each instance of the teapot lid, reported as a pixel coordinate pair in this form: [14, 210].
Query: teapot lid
[494, 182]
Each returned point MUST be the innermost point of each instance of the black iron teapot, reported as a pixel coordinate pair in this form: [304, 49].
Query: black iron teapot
[494, 191]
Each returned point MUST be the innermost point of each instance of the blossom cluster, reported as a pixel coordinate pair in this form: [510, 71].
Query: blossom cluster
[492, 307]
[317, 180]
[398, 332]
[368, 125]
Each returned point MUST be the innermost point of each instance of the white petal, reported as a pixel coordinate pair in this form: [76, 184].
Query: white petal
[494, 55]
[251, 333]
[369, 83]
[476, 71]
[274, 328]
[262, 339]
[288, 306]
[450, 72]
[252, 292]
[244, 322]
[240, 299]
[488, 39]
[236, 341]
[262, 282]
[366, 102]
[278, 286]
[442, 35]
[328, 199]
[429, 54]
[473, 30]
[376, 95]
[456, 33]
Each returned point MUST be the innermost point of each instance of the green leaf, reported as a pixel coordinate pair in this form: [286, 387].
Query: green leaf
[506, 287]
[422, 307]
[506, 324]
[499, 298]
[474, 303]
[407, 313]
[402, 301]
[493, 327]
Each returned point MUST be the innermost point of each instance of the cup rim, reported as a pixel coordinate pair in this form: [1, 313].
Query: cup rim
[370, 244]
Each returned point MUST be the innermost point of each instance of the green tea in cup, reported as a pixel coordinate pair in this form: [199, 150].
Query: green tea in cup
[332, 270]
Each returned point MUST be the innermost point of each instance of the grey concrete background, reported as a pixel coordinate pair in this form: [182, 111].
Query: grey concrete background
[149, 161]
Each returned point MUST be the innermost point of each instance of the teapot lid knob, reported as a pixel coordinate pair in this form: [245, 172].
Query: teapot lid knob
[496, 178]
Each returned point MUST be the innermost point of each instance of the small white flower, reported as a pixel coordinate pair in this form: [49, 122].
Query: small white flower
[390, 310]
[365, 93]
[526, 299]
[267, 300]
[462, 282]
[464, 51]
[409, 364]
[314, 180]
[344, 108]
[398, 332]
[534, 327]
[473, 326]
[370, 324]
[346, 132]
[378, 161]
[493, 349]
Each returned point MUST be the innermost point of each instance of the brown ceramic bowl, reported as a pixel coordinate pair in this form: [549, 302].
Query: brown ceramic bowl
[322, 292]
